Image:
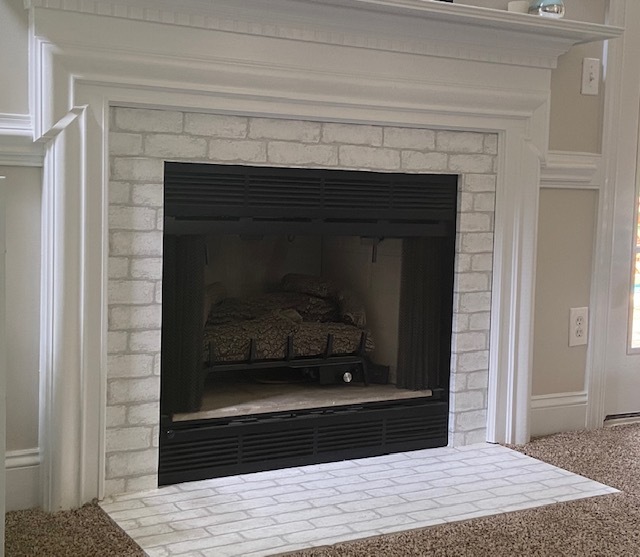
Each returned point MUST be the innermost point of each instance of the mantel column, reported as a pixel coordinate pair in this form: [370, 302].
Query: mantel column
[70, 437]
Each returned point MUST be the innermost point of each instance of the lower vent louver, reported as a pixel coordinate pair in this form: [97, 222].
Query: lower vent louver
[199, 450]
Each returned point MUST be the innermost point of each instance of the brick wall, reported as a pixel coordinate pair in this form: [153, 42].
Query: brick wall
[141, 140]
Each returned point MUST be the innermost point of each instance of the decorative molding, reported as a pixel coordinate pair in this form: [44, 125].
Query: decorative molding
[409, 26]
[565, 169]
[22, 458]
[557, 400]
[17, 147]
[558, 412]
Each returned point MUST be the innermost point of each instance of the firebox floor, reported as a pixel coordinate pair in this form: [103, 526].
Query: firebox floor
[245, 394]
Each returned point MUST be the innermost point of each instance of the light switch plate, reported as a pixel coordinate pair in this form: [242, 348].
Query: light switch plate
[590, 76]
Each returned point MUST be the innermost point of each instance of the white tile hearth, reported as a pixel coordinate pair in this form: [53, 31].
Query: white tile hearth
[269, 513]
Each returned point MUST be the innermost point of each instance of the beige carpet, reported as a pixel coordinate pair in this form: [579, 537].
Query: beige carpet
[601, 526]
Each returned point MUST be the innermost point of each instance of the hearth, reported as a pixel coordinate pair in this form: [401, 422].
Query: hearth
[231, 228]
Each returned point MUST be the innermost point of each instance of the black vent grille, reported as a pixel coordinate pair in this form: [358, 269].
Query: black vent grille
[199, 450]
[209, 191]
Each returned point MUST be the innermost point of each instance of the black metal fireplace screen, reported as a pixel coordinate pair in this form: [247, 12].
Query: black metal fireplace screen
[205, 199]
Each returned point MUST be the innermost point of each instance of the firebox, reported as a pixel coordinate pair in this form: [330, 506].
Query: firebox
[307, 316]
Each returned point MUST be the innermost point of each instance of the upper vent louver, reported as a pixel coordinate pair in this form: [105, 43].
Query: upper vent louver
[219, 192]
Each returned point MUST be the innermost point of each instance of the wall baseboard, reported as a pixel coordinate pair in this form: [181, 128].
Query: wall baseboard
[558, 412]
[22, 479]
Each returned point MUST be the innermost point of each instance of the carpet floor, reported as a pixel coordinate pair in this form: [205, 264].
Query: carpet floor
[601, 526]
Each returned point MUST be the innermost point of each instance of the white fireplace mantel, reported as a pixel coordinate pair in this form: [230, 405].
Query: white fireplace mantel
[396, 62]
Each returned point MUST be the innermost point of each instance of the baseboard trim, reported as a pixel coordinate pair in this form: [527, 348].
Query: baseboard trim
[558, 412]
[22, 479]
[22, 459]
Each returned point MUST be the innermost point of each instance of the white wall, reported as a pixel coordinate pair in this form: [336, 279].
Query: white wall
[23, 195]
[14, 98]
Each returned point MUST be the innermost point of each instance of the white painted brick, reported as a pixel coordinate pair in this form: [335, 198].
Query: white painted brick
[138, 169]
[136, 243]
[118, 267]
[475, 222]
[297, 154]
[158, 295]
[145, 341]
[120, 391]
[147, 195]
[131, 218]
[472, 302]
[468, 400]
[131, 292]
[472, 282]
[467, 342]
[111, 487]
[116, 416]
[491, 144]
[175, 146]
[353, 134]
[138, 119]
[408, 138]
[480, 321]
[142, 483]
[413, 160]
[130, 365]
[141, 317]
[471, 163]
[478, 380]
[458, 383]
[484, 202]
[144, 414]
[465, 202]
[117, 341]
[291, 130]
[369, 157]
[160, 221]
[460, 323]
[468, 421]
[157, 364]
[146, 268]
[475, 436]
[125, 144]
[463, 262]
[482, 262]
[479, 182]
[237, 150]
[215, 125]
[477, 242]
[132, 463]
[128, 438]
[473, 361]
[460, 142]
[119, 193]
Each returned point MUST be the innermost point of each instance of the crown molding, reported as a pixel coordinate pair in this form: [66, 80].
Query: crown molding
[17, 147]
[566, 169]
[410, 26]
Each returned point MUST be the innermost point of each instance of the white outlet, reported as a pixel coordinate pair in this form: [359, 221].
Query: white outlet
[578, 326]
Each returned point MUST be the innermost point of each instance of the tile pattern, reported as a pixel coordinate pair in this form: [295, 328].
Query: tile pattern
[268, 513]
[140, 140]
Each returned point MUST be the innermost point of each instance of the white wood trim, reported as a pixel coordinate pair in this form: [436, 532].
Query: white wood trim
[73, 86]
[558, 412]
[429, 28]
[566, 170]
[602, 261]
[17, 147]
[556, 400]
[22, 458]
[3, 358]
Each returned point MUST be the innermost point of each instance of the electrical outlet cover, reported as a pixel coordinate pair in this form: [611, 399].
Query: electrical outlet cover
[578, 326]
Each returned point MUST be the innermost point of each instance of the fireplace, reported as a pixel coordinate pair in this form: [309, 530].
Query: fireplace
[268, 359]
[465, 159]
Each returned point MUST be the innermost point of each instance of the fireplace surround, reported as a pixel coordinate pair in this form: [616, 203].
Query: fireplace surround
[411, 65]
[142, 140]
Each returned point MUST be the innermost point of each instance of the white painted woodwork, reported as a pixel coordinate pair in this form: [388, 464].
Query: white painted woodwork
[394, 62]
